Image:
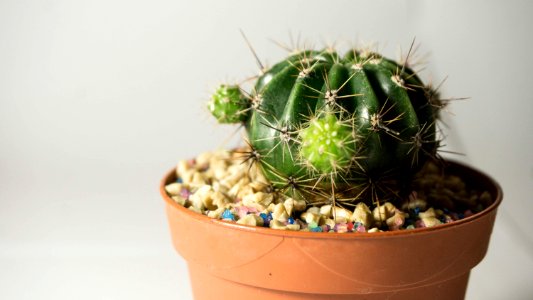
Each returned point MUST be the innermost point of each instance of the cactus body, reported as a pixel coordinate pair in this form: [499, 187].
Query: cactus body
[318, 122]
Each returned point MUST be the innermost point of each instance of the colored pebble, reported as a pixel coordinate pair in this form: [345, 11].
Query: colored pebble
[315, 229]
[420, 224]
[350, 226]
[266, 219]
[185, 193]
[341, 228]
[227, 215]
[416, 210]
[242, 211]
[313, 225]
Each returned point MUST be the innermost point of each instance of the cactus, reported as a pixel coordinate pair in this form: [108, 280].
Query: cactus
[321, 126]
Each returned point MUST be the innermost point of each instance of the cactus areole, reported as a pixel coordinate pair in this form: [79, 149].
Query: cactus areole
[320, 125]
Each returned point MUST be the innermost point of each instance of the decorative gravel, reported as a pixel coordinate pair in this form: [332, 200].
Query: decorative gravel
[218, 185]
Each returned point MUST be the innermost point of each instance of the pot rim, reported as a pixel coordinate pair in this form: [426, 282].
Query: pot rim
[473, 172]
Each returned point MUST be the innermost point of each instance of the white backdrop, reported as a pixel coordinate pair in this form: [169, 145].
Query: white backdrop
[98, 99]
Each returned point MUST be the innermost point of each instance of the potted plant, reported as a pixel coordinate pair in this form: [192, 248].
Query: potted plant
[337, 193]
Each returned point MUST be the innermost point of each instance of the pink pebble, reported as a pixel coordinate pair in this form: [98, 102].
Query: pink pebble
[420, 224]
[341, 228]
[468, 213]
[241, 211]
[185, 193]
[361, 228]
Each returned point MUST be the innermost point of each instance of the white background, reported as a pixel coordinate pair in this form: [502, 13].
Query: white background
[98, 99]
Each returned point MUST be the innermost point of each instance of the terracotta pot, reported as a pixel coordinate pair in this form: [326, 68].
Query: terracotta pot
[230, 261]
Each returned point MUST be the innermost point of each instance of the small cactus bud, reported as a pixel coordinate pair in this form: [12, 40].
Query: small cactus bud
[228, 104]
[327, 144]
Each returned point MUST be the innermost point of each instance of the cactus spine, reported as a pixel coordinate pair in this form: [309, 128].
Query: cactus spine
[324, 126]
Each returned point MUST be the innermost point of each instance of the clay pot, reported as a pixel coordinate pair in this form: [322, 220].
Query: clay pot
[231, 261]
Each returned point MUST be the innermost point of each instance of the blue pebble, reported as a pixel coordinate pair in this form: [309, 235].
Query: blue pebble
[266, 219]
[228, 215]
[417, 210]
[179, 180]
[316, 229]
[290, 220]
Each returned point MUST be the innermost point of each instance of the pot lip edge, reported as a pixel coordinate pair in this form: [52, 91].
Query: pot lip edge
[341, 236]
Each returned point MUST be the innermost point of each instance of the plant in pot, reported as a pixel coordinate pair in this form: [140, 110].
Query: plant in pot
[338, 191]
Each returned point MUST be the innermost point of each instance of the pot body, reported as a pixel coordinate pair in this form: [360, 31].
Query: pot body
[230, 261]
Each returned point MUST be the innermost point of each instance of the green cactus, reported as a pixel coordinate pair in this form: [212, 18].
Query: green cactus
[319, 123]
